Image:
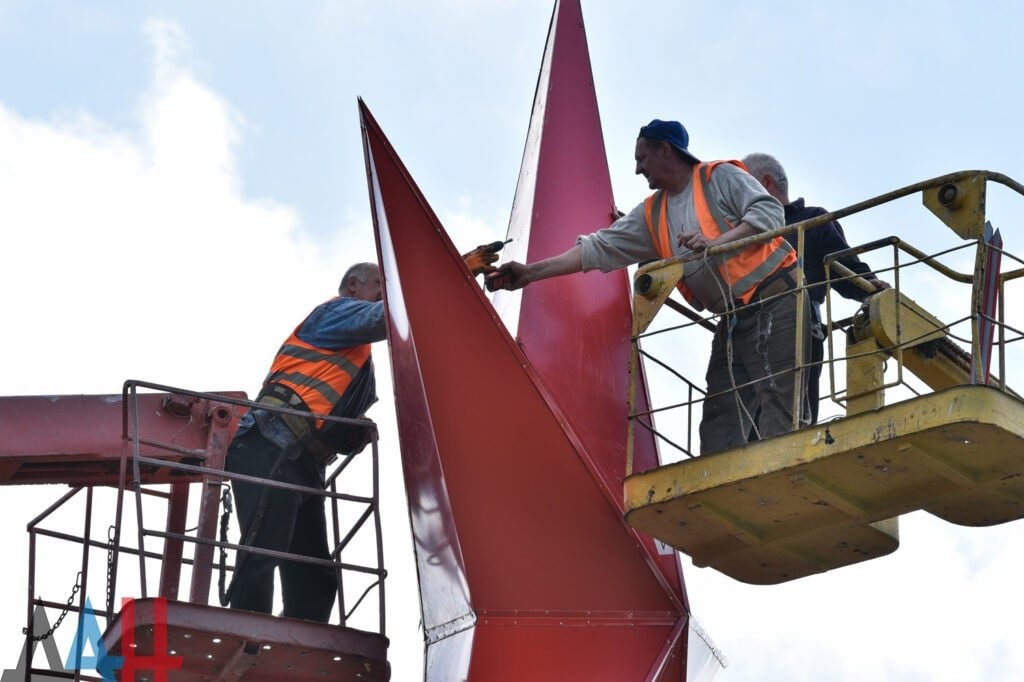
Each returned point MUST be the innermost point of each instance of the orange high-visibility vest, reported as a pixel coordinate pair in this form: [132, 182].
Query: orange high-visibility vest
[318, 376]
[742, 270]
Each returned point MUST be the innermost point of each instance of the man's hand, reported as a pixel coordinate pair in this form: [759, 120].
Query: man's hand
[694, 241]
[878, 284]
[513, 275]
[510, 276]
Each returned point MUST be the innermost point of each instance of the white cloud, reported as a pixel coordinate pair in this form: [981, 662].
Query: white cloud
[128, 243]
[136, 254]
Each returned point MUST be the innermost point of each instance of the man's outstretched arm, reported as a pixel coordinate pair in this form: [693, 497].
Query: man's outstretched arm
[513, 275]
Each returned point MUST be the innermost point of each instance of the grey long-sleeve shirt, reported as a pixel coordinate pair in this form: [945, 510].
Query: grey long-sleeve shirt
[627, 241]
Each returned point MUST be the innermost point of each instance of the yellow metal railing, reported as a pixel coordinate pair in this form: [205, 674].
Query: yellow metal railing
[890, 327]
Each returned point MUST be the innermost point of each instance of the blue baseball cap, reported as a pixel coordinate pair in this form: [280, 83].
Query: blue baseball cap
[672, 132]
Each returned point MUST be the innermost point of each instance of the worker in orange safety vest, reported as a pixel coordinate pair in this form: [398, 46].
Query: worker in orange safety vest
[325, 367]
[695, 206]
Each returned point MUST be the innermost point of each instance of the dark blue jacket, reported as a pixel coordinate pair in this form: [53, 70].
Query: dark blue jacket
[818, 243]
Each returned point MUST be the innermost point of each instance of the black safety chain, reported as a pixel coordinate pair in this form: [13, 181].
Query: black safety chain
[111, 532]
[63, 613]
[225, 518]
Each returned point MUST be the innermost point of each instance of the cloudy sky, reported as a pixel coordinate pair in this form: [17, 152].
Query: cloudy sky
[181, 181]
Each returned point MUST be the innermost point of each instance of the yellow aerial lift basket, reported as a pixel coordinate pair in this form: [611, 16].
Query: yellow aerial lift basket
[828, 495]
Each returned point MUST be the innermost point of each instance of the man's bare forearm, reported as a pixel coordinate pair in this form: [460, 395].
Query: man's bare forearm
[517, 275]
[563, 264]
[741, 231]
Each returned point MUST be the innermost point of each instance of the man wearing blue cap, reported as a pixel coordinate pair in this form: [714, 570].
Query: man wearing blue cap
[697, 205]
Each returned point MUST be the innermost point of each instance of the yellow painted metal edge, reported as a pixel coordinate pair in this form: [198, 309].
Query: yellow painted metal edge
[960, 204]
[652, 285]
[971, 404]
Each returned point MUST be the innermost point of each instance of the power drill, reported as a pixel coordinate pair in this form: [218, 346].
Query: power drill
[494, 247]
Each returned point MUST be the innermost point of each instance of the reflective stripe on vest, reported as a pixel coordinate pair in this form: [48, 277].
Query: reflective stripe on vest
[742, 270]
[318, 376]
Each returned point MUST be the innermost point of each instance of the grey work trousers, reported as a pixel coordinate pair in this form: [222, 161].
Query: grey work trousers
[763, 341]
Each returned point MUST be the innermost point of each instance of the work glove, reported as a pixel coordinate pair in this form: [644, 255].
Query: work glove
[480, 259]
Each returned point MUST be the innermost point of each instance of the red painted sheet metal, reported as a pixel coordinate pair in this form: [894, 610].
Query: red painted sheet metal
[576, 330]
[78, 439]
[614, 652]
[444, 591]
[500, 495]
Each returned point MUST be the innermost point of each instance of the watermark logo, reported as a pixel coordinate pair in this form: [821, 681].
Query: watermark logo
[88, 652]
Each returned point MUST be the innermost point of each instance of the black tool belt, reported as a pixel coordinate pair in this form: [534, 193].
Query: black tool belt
[323, 444]
[276, 395]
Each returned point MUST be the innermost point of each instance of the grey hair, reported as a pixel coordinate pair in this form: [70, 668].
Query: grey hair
[361, 271]
[759, 165]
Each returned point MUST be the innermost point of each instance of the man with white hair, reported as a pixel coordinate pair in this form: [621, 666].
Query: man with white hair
[818, 243]
[324, 367]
